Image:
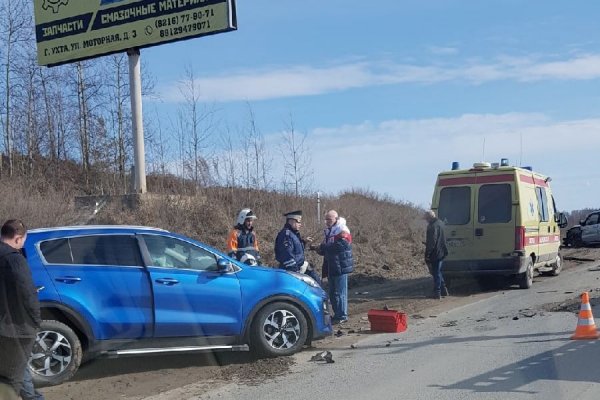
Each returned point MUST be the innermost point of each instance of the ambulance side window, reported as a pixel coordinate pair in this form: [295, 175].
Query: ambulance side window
[542, 203]
[494, 204]
[550, 206]
[455, 205]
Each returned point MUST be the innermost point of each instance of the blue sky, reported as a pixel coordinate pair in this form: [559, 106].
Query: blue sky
[391, 92]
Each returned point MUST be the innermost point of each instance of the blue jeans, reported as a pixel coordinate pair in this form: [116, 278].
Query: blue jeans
[438, 279]
[28, 392]
[338, 295]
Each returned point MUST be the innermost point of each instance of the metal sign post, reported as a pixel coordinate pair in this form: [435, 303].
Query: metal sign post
[135, 93]
[319, 207]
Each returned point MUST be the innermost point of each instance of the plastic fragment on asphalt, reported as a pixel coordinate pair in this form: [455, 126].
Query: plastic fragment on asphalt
[323, 356]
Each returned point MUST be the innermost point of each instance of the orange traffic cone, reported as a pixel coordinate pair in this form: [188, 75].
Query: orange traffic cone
[586, 327]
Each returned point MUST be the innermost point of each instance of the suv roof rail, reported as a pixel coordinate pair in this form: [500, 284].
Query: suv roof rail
[92, 227]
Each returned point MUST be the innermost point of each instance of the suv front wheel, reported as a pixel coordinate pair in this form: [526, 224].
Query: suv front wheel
[279, 329]
[56, 354]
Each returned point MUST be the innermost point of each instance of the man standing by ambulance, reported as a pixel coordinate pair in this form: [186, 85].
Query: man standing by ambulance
[435, 252]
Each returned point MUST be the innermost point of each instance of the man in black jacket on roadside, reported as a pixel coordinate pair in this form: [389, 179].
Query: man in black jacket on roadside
[435, 252]
[19, 308]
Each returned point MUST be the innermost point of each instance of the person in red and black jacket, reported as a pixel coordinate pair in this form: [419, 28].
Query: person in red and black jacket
[336, 250]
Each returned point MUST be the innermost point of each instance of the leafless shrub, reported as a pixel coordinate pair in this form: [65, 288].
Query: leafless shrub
[37, 208]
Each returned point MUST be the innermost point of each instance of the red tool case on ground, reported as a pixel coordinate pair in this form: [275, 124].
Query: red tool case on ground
[387, 321]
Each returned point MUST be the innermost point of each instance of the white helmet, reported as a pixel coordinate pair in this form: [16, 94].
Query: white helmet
[248, 259]
[244, 215]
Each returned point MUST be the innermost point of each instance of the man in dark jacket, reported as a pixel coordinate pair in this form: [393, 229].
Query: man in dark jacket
[336, 250]
[19, 308]
[289, 247]
[435, 252]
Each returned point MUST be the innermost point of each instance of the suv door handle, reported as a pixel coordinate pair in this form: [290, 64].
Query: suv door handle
[167, 281]
[68, 279]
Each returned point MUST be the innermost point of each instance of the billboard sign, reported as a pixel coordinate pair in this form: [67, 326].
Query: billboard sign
[71, 30]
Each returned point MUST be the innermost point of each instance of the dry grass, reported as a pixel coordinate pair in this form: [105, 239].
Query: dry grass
[387, 235]
[36, 205]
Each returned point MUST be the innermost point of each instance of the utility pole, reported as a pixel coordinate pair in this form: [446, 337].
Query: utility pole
[135, 88]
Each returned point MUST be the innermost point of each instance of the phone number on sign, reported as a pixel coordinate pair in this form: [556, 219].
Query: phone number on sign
[180, 30]
[184, 18]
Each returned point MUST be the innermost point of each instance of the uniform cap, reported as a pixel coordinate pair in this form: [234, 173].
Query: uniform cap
[297, 215]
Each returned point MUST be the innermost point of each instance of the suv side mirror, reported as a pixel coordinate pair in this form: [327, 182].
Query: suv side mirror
[223, 265]
[582, 222]
[561, 219]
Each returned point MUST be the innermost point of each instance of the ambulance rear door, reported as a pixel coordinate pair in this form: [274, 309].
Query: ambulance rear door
[455, 210]
[494, 219]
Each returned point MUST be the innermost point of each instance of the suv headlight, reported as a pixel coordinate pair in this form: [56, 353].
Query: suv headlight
[306, 279]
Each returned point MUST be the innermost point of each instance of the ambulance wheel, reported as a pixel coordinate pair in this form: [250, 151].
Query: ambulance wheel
[557, 267]
[525, 279]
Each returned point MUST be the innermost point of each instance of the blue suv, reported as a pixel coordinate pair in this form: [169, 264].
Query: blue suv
[125, 290]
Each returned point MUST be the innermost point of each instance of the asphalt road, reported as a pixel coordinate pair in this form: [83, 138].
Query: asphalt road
[502, 346]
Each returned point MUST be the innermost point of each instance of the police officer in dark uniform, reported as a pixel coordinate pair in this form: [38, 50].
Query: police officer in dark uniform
[289, 247]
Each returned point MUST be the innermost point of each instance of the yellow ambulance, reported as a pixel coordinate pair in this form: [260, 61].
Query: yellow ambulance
[500, 220]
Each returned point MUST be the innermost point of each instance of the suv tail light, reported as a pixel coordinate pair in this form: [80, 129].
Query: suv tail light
[519, 238]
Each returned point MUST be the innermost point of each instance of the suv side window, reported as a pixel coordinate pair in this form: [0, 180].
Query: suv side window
[494, 203]
[455, 205]
[168, 252]
[57, 251]
[592, 219]
[121, 250]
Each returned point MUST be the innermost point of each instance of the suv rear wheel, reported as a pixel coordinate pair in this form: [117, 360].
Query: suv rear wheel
[56, 354]
[279, 329]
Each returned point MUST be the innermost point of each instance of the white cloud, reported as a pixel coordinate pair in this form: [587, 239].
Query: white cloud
[403, 157]
[305, 80]
[443, 51]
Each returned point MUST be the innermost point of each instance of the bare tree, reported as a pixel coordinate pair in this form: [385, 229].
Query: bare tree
[118, 85]
[231, 160]
[84, 121]
[32, 137]
[298, 173]
[15, 29]
[91, 123]
[45, 79]
[258, 162]
[196, 123]
[155, 136]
